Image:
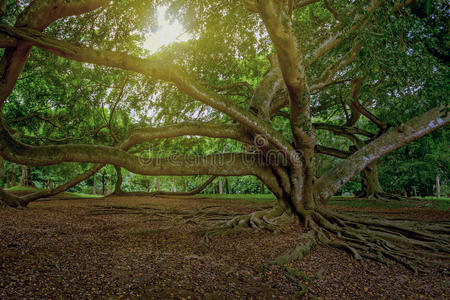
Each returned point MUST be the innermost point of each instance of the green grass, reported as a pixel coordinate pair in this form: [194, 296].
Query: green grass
[248, 197]
[428, 202]
[369, 203]
[434, 198]
[70, 195]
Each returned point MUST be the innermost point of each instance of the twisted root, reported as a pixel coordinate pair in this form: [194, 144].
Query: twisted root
[418, 246]
[270, 219]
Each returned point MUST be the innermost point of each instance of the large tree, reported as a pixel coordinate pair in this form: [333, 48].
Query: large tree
[314, 48]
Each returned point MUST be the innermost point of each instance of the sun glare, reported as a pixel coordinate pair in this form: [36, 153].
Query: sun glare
[167, 32]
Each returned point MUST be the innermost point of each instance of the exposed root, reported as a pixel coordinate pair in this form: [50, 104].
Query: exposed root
[296, 276]
[270, 219]
[302, 249]
[416, 245]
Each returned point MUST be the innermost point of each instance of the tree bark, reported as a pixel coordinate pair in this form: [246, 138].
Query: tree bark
[370, 183]
[25, 180]
[438, 186]
[103, 183]
[158, 188]
[220, 186]
[227, 186]
[94, 187]
[118, 185]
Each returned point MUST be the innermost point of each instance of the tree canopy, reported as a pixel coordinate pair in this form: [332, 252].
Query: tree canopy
[262, 88]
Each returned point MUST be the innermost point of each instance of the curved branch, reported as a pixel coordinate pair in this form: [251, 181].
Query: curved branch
[209, 129]
[355, 112]
[14, 201]
[63, 187]
[268, 90]
[415, 128]
[232, 164]
[160, 69]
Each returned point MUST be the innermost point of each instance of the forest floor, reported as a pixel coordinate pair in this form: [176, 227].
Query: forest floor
[149, 247]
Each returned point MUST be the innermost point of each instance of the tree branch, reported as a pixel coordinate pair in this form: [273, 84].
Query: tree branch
[393, 139]
[160, 69]
[209, 129]
[332, 151]
[343, 129]
[303, 3]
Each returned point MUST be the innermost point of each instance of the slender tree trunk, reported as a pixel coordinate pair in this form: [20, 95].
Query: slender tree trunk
[13, 180]
[227, 186]
[103, 184]
[149, 186]
[261, 188]
[158, 188]
[25, 178]
[220, 186]
[438, 186]
[94, 186]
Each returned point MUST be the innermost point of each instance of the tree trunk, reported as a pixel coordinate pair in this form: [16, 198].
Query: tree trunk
[149, 186]
[118, 186]
[261, 188]
[438, 186]
[94, 186]
[25, 178]
[370, 184]
[13, 179]
[103, 183]
[220, 186]
[227, 186]
[158, 188]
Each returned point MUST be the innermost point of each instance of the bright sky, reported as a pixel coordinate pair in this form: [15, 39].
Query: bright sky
[167, 32]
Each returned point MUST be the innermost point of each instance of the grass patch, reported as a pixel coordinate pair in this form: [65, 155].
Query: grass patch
[247, 197]
[428, 202]
[65, 195]
[358, 203]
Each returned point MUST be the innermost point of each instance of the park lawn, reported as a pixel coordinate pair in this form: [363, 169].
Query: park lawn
[428, 202]
[65, 195]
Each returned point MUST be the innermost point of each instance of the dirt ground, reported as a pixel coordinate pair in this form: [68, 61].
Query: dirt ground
[144, 247]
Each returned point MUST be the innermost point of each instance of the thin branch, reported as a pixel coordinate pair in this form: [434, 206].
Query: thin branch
[332, 152]
[28, 117]
[303, 3]
[343, 129]
[236, 84]
[331, 10]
